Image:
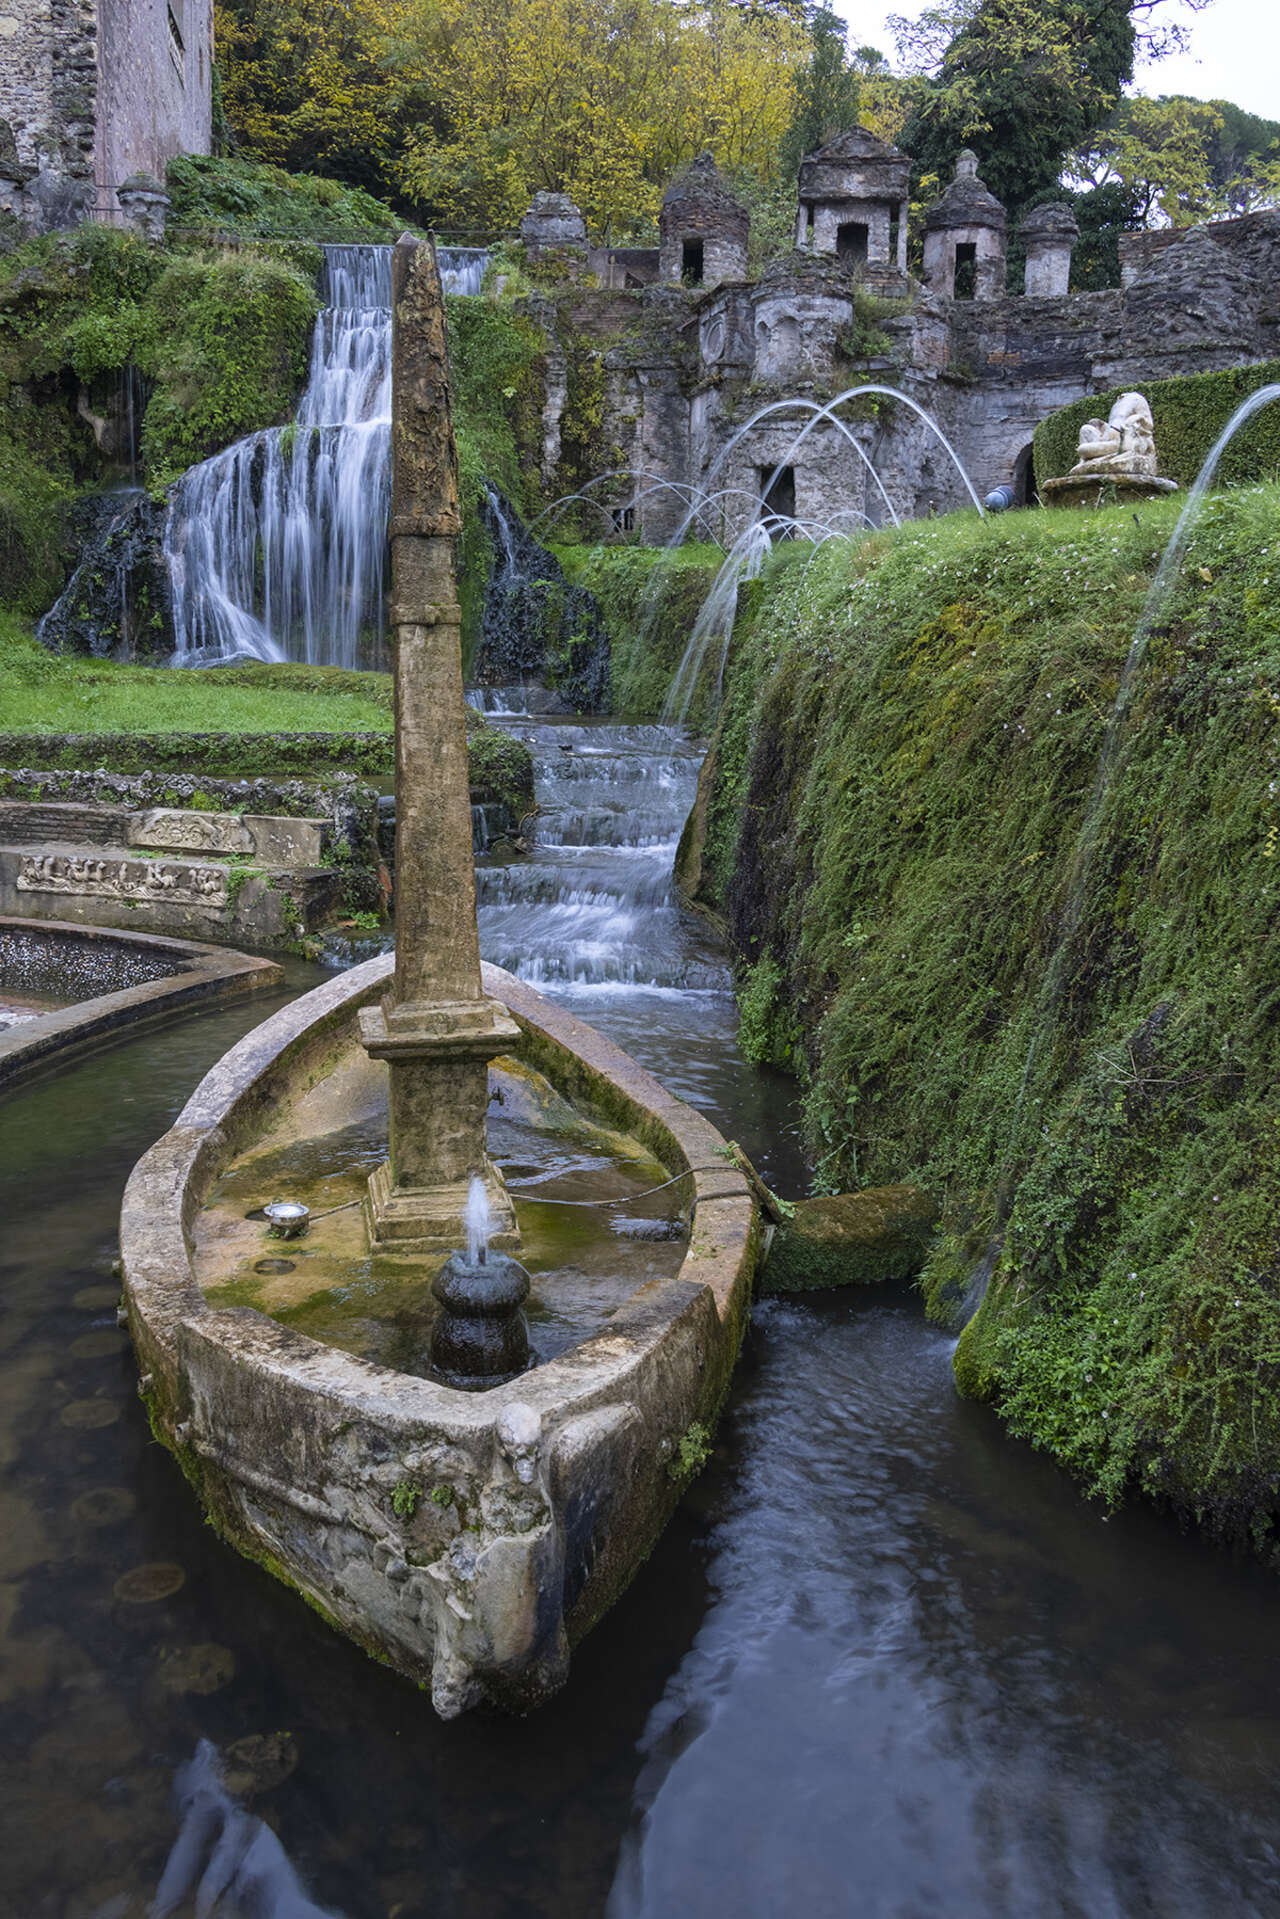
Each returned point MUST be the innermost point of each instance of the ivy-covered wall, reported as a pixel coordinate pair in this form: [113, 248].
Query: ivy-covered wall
[1189, 414]
[894, 837]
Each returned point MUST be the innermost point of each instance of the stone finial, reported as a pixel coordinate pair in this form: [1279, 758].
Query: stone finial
[553, 220]
[702, 229]
[964, 244]
[145, 205]
[1049, 234]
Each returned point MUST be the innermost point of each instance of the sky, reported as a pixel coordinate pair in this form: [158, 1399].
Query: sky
[1234, 52]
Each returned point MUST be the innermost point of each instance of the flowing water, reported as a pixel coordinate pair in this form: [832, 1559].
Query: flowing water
[277, 546]
[884, 1662]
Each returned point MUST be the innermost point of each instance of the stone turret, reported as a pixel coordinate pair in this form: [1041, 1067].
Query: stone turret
[702, 230]
[965, 238]
[853, 202]
[1049, 234]
[553, 220]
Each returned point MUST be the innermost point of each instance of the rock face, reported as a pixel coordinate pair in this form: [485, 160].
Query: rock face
[853, 1239]
[535, 626]
[118, 603]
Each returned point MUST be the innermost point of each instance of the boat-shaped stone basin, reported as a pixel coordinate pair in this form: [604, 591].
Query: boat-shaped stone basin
[467, 1539]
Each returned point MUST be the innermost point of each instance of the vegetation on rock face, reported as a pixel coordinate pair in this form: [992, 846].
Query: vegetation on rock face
[1189, 414]
[219, 340]
[909, 742]
[649, 598]
[245, 197]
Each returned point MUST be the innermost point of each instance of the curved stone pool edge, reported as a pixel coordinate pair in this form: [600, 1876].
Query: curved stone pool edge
[467, 1540]
[200, 975]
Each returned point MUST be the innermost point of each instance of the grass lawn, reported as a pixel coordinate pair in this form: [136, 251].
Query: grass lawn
[41, 692]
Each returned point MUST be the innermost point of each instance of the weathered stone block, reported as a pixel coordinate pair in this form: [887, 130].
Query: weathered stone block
[853, 1239]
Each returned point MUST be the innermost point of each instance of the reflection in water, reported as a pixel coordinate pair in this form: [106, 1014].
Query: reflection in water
[231, 1863]
[929, 1680]
[884, 1662]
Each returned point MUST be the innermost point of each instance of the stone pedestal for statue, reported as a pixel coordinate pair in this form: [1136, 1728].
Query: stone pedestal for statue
[436, 1029]
[1115, 459]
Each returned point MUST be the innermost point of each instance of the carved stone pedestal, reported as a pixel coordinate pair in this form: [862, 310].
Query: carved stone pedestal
[439, 1060]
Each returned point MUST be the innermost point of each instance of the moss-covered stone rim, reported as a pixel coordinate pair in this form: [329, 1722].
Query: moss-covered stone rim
[292, 1050]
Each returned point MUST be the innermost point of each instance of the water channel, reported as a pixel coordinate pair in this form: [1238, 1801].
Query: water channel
[883, 1662]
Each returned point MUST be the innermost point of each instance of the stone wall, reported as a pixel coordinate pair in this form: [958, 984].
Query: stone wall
[155, 87]
[94, 92]
[687, 373]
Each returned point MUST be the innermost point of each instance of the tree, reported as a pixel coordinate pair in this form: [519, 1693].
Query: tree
[1021, 81]
[827, 92]
[305, 84]
[1158, 152]
[601, 99]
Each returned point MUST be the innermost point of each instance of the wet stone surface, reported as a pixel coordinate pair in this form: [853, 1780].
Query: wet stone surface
[558, 1163]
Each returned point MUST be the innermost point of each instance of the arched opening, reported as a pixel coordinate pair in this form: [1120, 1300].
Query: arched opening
[966, 280]
[780, 498]
[691, 263]
[1024, 479]
[852, 238]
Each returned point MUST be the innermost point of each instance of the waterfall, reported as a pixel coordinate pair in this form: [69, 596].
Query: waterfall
[277, 546]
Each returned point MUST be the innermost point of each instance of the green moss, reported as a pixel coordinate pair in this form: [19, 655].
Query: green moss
[693, 1450]
[1189, 414]
[501, 769]
[220, 196]
[221, 340]
[649, 598]
[909, 744]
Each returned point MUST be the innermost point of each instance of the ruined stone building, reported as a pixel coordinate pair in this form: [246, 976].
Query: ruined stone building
[694, 349]
[94, 94]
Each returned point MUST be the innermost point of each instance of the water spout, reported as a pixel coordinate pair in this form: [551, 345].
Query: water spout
[478, 1221]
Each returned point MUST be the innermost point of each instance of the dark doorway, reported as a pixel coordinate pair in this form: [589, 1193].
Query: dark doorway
[966, 282]
[852, 237]
[691, 263]
[624, 519]
[1024, 479]
[780, 497]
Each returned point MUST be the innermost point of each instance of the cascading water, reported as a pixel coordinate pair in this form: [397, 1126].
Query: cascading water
[277, 546]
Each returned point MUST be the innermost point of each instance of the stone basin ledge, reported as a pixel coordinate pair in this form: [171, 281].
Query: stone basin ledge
[186, 975]
[468, 1540]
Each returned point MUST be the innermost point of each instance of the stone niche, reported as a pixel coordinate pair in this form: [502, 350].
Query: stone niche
[702, 230]
[966, 240]
[854, 194]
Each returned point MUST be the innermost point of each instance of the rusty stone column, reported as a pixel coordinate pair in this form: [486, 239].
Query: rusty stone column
[436, 1029]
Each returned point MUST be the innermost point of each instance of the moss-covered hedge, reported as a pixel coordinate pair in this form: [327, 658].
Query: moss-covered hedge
[500, 767]
[650, 598]
[245, 197]
[1189, 415]
[909, 744]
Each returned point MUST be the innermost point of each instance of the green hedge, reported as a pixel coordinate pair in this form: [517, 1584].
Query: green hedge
[1189, 414]
[910, 738]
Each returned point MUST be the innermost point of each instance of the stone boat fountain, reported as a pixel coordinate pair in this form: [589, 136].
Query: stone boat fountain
[466, 1537]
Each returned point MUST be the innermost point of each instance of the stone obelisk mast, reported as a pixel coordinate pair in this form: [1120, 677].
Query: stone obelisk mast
[436, 1029]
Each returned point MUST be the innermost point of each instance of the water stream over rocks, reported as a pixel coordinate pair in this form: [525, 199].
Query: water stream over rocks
[884, 1661]
[277, 546]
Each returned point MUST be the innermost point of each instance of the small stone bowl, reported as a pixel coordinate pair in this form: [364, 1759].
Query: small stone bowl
[289, 1218]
